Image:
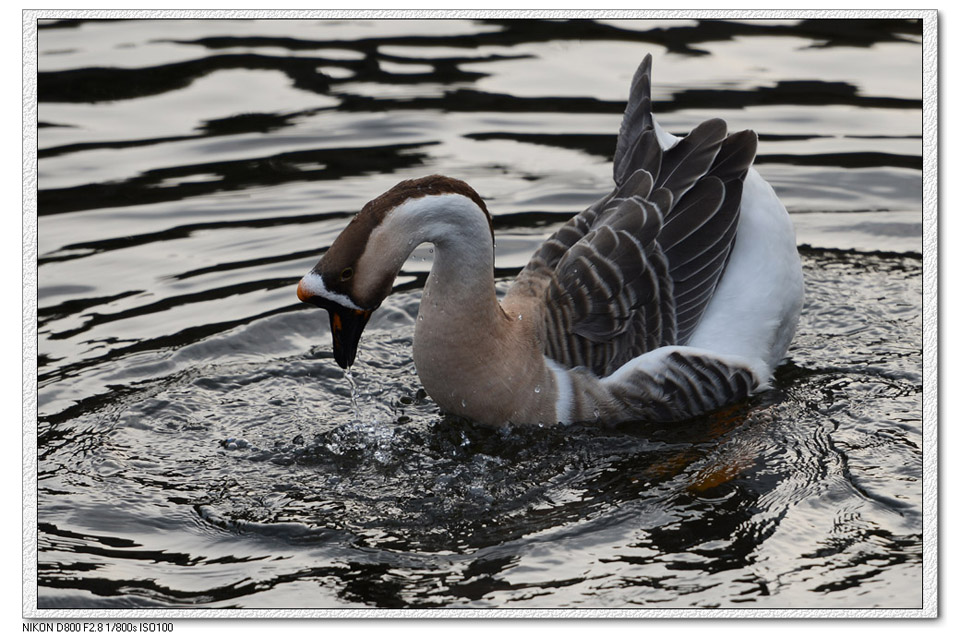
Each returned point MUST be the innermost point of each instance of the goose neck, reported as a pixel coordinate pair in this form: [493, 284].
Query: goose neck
[462, 273]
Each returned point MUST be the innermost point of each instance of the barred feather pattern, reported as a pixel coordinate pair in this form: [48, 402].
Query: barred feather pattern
[686, 383]
[613, 310]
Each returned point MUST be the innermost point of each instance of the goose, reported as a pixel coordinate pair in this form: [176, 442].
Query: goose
[673, 296]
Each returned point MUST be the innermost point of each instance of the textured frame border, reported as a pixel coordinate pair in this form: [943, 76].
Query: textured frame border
[930, 315]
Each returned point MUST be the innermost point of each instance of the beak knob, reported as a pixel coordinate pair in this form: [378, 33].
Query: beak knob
[302, 292]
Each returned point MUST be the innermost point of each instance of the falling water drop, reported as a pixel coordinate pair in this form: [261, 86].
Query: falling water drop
[536, 390]
[348, 373]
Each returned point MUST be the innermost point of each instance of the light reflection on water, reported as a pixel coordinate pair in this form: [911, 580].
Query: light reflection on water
[175, 223]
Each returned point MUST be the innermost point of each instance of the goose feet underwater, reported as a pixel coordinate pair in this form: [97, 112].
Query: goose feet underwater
[674, 295]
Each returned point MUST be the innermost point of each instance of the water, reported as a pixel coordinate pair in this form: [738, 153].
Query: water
[199, 447]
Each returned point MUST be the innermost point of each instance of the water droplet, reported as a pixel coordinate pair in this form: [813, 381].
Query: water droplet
[519, 317]
[463, 403]
[596, 414]
[536, 390]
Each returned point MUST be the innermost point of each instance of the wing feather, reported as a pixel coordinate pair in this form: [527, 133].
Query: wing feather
[690, 158]
[637, 119]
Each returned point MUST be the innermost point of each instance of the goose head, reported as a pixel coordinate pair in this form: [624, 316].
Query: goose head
[357, 272]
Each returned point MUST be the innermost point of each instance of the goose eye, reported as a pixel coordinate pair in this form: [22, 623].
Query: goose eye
[347, 274]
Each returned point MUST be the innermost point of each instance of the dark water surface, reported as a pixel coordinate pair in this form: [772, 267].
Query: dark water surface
[198, 445]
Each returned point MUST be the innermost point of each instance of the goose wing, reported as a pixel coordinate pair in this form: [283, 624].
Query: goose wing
[636, 270]
[610, 293]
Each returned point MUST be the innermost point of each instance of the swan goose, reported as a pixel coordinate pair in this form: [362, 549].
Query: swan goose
[676, 294]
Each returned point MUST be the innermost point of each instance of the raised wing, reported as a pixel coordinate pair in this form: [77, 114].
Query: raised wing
[636, 270]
